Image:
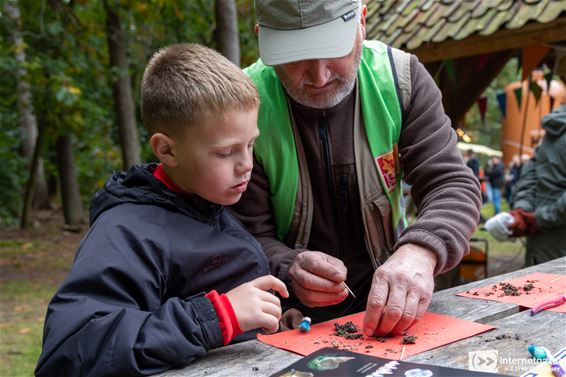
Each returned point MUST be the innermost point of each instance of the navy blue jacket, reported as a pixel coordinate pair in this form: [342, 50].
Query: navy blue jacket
[133, 302]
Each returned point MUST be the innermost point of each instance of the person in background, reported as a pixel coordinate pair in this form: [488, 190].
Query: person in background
[343, 121]
[165, 274]
[512, 176]
[539, 207]
[473, 162]
[495, 172]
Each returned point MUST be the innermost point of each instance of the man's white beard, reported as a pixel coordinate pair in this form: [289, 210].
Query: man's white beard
[343, 88]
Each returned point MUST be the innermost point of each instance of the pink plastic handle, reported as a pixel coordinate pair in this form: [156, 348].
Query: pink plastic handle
[548, 304]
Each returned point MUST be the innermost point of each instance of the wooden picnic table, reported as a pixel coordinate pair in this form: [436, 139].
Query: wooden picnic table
[515, 330]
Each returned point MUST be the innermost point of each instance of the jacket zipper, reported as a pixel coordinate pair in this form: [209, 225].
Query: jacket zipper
[323, 136]
[345, 204]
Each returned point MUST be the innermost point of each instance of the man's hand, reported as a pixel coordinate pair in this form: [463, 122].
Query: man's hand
[255, 307]
[401, 291]
[318, 279]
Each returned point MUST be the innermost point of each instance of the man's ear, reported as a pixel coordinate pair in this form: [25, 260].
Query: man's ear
[164, 149]
[363, 19]
[256, 29]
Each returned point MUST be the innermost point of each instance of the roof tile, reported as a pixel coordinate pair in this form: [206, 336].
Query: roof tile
[495, 23]
[526, 13]
[481, 8]
[410, 23]
[552, 11]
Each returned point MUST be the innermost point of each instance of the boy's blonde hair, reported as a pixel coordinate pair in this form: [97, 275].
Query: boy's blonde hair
[183, 83]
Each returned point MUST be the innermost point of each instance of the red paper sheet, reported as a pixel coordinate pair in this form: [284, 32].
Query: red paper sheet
[434, 330]
[545, 287]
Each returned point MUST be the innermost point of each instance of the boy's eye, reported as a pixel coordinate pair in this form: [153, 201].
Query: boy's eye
[224, 154]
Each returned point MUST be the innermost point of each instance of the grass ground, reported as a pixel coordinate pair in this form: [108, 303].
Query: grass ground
[34, 262]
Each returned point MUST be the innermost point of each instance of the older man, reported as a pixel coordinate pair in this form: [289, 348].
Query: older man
[342, 122]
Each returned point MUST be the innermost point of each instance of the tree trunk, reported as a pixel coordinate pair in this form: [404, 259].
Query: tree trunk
[28, 121]
[70, 193]
[226, 33]
[32, 179]
[122, 89]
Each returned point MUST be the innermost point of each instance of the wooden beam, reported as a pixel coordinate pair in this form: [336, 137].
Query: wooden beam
[535, 33]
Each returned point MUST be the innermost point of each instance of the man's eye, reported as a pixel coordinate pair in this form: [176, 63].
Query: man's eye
[223, 154]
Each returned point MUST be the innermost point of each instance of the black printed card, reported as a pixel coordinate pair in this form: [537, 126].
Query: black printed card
[332, 362]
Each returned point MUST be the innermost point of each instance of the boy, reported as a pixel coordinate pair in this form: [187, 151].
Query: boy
[159, 237]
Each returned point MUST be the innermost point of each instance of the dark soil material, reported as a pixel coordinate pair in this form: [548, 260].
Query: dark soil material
[348, 330]
[409, 339]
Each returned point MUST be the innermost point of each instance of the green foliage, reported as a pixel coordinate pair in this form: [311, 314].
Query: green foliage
[67, 65]
[248, 40]
[13, 172]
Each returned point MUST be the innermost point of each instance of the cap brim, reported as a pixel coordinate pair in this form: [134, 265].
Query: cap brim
[333, 39]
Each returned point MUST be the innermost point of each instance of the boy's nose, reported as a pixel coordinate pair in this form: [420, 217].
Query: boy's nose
[246, 164]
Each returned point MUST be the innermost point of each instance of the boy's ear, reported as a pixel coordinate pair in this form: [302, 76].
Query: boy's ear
[164, 149]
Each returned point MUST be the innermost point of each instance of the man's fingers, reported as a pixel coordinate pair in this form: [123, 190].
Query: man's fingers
[423, 304]
[376, 302]
[409, 313]
[313, 282]
[315, 299]
[268, 282]
[393, 310]
[322, 265]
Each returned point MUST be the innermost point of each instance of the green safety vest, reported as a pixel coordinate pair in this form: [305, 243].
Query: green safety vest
[276, 151]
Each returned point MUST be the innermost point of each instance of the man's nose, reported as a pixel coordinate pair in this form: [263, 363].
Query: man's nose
[319, 72]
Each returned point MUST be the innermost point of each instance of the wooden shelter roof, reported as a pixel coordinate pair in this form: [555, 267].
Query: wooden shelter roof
[446, 29]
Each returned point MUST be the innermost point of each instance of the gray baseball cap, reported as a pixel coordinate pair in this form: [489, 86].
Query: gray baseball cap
[293, 30]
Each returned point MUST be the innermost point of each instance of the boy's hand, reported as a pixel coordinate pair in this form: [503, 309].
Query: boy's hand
[255, 307]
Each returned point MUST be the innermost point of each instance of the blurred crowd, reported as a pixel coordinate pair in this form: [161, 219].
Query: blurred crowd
[497, 180]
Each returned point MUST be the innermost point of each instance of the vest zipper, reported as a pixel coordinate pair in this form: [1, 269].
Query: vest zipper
[323, 136]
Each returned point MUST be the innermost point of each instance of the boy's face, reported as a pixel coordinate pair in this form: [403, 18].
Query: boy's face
[215, 157]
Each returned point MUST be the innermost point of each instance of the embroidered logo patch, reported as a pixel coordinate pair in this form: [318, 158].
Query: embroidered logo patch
[215, 262]
[387, 166]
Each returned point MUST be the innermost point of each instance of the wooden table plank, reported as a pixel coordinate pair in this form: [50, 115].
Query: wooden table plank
[486, 311]
[510, 339]
[246, 359]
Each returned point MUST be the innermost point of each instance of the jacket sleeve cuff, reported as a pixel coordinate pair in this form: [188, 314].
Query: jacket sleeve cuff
[229, 325]
[434, 244]
[524, 204]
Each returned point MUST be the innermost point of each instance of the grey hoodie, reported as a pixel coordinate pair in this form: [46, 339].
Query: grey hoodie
[542, 189]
